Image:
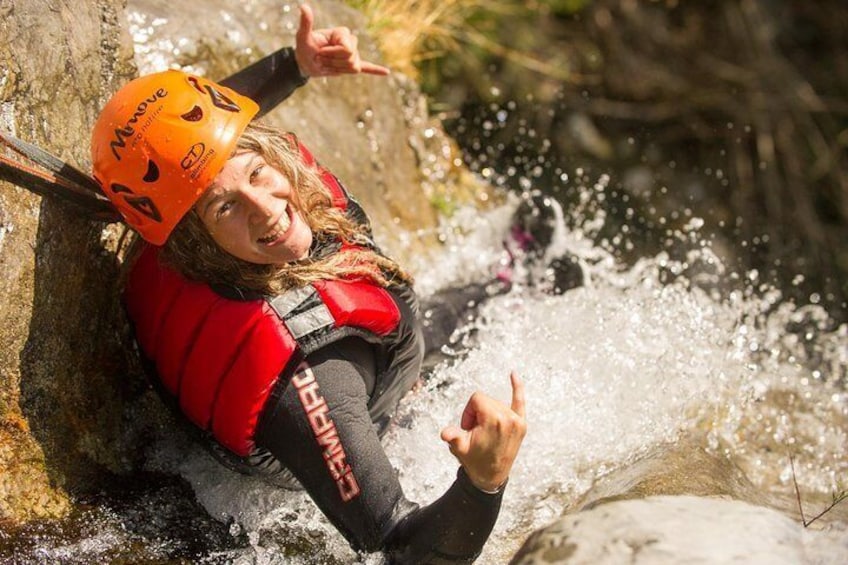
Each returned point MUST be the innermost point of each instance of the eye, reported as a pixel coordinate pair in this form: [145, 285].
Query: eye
[254, 174]
[223, 209]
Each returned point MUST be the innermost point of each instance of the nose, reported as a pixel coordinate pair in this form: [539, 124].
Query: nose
[261, 203]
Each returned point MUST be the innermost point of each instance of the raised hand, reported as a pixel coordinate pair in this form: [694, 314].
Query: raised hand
[489, 435]
[329, 52]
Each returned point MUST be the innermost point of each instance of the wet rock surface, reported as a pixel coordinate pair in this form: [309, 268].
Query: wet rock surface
[116, 525]
[60, 398]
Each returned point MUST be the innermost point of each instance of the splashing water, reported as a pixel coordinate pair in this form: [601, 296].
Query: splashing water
[640, 359]
[615, 369]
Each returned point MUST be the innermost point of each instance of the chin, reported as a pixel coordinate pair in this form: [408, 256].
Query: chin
[292, 256]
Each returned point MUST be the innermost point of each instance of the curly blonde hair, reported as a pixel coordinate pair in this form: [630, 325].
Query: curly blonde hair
[191, 250]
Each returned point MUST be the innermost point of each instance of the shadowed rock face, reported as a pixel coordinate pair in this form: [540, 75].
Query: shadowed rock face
[73, 407]
[59, 329]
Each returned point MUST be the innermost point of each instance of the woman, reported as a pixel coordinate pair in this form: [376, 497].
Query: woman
[273, 321]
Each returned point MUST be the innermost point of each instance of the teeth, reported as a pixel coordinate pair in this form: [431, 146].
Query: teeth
[279, 229]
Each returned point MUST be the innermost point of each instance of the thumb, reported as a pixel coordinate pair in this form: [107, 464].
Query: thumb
[306, 20]
[458, 440]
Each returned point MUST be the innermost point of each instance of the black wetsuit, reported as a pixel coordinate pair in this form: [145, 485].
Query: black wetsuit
[452, 529]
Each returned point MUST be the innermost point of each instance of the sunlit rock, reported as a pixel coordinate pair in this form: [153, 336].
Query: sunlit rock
[677, 529]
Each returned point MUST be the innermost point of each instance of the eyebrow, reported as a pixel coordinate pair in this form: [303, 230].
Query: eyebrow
[213, 186]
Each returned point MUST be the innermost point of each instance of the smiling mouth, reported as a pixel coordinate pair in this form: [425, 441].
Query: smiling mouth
[279, 229]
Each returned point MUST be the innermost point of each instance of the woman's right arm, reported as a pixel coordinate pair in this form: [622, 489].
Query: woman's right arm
[318, 52]
[268, 81]
[321, 430]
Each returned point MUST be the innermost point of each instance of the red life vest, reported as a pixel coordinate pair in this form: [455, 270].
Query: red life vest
[220, 358]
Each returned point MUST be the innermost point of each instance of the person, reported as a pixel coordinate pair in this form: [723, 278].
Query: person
[532, 254]
[269, 316]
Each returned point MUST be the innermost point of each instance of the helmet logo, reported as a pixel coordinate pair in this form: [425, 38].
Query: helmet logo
[141, 203]
[194, 154]
[152, 174]
[221, 100]
[146, 206]
[193, 115]
[127, 130]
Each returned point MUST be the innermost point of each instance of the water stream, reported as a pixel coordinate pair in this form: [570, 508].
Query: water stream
[622, 370]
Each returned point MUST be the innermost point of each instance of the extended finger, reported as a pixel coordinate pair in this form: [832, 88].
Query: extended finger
[306, 21]
[518, 404]
[345, 62]
[373, 69]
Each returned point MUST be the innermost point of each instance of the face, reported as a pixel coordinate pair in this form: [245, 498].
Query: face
[250, 213]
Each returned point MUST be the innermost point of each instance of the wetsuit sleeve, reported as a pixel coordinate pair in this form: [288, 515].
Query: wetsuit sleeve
[320, 428]
[268, 81]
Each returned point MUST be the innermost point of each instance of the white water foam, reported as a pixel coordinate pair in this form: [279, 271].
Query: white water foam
[612, 369]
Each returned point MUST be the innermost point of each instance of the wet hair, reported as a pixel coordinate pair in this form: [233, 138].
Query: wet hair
[191, 250]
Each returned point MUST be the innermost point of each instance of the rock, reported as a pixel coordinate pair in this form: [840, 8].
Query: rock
[681, 504]
[683, 468]
[676, 529]
[61, 365]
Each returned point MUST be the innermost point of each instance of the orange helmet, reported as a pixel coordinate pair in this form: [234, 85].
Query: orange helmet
[159, 143]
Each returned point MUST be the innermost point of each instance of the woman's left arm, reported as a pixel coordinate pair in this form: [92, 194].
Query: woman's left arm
[489, 436]
[318, 52]
[319, 427]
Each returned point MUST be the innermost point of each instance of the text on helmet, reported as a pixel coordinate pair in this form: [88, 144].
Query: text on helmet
[127, 131]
